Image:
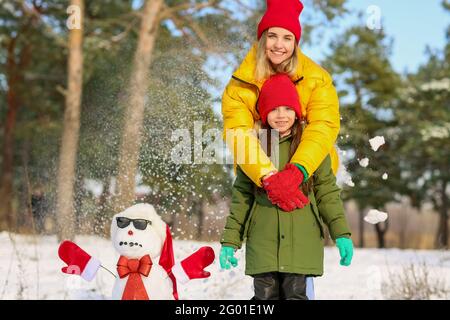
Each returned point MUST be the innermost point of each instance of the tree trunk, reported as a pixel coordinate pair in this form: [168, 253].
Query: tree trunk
[14, 71]
[6, 189]
[134, 109]
[199, 211]
[441, 241]
[361, 228]
[102, 218]
[69, 143]
[181, 226]
[381, 232]
[26, 192]
[79, 196]
[405, 214]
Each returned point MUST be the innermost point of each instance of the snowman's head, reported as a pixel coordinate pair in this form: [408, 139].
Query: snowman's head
[138, 231]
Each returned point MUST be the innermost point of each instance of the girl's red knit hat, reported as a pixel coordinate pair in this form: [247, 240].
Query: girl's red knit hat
[278, 90]
[284, 14]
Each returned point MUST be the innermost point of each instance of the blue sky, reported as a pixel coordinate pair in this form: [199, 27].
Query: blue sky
[412, 24]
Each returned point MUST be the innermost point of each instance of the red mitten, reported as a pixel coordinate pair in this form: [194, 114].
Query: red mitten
[283, 188]
[78, 261]
[192, 267]
[294, 200]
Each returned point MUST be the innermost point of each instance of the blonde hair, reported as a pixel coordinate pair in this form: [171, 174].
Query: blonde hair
[264, 68]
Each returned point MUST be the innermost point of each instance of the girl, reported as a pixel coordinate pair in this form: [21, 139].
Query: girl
[284, 248]
[277, 51]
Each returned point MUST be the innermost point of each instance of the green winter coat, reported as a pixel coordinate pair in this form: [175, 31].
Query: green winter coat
[282, 241]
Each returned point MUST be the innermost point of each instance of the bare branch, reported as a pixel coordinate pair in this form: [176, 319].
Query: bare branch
[186, 21]
[179, 24]
[123, 34]
[169, 11]
[61, 90]
[121, 19]
[201, 39]
[245, 6]
[35, 14]
[196, 28]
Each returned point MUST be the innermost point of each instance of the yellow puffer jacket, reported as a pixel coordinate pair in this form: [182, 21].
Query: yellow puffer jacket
[318, 99]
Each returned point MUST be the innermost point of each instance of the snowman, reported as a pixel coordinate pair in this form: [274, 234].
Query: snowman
[140, 237]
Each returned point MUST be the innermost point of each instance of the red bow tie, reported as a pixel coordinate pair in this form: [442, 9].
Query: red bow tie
[133, 268]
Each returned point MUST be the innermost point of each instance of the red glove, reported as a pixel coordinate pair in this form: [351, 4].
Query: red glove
[192, 267]
[78, 261]
[283, 188]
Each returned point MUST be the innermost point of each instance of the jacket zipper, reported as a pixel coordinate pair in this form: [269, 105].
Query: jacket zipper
[249, 83]
[252, 84]
[298, 80]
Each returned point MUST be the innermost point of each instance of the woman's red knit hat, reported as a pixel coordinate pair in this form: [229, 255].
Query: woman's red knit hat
[284, 14]
[278, 90]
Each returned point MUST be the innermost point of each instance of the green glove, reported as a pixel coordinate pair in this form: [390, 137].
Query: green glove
[227, 257]
[345, 246]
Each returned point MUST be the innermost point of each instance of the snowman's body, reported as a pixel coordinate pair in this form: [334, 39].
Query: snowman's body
[158, 285]
[144, 243]
[134, 243]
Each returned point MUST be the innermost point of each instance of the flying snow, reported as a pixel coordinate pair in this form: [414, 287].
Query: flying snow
[364, 162]
[376, 142]
[374, 216]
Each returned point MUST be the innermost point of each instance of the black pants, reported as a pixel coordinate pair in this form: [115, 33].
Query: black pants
[280, 286]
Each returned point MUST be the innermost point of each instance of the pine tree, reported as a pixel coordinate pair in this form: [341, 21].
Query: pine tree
[367, 87]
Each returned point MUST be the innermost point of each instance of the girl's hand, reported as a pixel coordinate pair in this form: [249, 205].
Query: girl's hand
[227, 257]
[283, 188]
[345, 246]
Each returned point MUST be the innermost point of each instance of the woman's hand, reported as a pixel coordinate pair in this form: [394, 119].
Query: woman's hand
[345, 246]
[227, 258]
[283, 188]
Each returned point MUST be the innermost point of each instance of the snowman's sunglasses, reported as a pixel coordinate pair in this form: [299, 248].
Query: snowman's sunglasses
[140, 224]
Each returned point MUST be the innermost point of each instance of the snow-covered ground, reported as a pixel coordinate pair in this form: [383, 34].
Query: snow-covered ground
[30, 269]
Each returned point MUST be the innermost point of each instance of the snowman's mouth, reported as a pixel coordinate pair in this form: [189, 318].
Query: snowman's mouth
[130, 244]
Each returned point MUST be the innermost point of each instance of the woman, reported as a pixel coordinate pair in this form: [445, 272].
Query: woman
[277, 51]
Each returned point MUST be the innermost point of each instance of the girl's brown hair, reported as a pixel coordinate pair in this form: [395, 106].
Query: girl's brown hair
[264, 68]
[296, 132]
